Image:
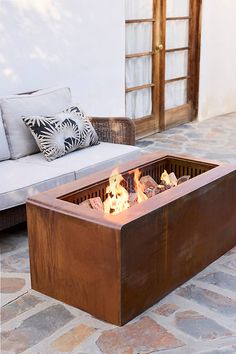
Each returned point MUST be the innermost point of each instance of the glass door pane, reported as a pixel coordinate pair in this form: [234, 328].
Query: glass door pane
[139, 52]
[176, 64]
[177, 34]
[177, 8]
[175, 94]
[138, 9]
[138, 71]
[138, 38]
[177, 52]
[139, 103]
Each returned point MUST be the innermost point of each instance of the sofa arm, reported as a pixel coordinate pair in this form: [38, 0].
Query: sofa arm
[114, 130]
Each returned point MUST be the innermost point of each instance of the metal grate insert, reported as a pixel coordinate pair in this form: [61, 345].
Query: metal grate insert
[155, 168]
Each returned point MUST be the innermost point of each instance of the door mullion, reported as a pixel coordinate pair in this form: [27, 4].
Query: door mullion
[154, 66]
[162, 64]
[191, 54]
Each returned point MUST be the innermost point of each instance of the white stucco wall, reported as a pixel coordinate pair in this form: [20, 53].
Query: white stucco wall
[79, 43]
[217, 94]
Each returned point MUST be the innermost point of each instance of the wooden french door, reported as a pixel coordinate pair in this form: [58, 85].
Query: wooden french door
[162, 62]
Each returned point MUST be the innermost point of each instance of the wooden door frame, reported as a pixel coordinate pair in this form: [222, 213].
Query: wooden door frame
[161, 119]
[188, 112]
[196, 8]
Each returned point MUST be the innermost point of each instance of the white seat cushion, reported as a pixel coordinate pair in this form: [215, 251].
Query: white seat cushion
[4, 149]
[43, 102]
[80, 160]
[19, 180]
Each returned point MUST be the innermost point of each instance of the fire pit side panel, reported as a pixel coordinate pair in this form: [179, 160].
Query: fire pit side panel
[164, 248]
[75, 261]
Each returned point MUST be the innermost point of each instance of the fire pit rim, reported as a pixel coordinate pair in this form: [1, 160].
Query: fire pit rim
[52, 199]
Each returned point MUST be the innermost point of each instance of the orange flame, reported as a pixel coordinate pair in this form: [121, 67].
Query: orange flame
[139, 187]
[118, 197]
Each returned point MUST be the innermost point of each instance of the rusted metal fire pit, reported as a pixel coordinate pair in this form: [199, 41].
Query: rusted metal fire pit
[116, 266]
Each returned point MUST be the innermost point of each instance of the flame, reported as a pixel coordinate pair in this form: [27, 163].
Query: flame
[169, 179]
[165, 177]
[118, 197]
[139, 187]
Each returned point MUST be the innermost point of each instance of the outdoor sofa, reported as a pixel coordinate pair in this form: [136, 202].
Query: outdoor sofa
[24, 174]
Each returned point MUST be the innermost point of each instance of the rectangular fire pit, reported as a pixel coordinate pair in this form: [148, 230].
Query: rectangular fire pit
[116, 266]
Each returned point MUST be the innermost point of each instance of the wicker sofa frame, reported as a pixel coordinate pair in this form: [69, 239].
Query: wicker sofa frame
[112, 130]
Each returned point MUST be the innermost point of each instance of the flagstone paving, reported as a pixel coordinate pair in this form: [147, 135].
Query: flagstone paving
[213, 139]
[199, 317]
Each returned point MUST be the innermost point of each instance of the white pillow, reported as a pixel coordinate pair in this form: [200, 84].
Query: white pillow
[43, 102]
[4, 149]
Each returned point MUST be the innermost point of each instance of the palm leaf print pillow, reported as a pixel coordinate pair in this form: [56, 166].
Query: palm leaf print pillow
[62, 133]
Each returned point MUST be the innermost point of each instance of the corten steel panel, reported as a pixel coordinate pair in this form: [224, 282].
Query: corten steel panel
[75, 261]
[165, 248]
[116, 266]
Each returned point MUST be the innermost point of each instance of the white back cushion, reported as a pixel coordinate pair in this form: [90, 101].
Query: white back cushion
[43, 102]
[4, 149]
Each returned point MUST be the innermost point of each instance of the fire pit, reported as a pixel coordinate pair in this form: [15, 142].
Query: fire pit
[115, 266]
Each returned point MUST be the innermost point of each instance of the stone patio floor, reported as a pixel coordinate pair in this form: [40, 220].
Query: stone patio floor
[198, 317]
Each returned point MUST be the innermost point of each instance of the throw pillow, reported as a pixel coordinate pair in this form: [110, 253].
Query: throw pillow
[4, 149]
[44, 102]
[62, 133]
